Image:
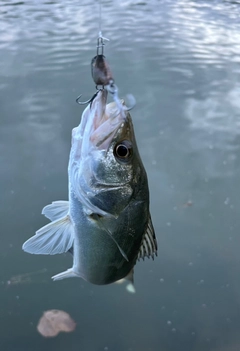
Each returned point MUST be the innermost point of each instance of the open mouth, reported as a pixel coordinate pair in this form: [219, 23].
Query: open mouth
[106, 121]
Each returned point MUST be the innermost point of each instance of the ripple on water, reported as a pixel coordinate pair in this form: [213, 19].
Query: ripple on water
[203, 33]
[41, 126]
[217, 113]
[215, 131]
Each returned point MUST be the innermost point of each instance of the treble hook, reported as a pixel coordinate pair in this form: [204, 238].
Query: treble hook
[101, 73]
[103, 77]
[88, 101]
[132, 99]
[113, 90]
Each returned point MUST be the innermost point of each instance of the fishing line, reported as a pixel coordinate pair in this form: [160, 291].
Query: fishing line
[101, 39]
[100, 18]
[102, 75]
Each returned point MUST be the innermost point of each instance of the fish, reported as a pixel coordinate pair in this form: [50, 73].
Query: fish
[106, 223]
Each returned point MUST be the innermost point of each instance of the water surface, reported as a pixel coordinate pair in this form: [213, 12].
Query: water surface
[180, 59]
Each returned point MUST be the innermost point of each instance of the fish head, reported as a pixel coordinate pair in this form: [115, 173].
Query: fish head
[113, 147]
[109, 165]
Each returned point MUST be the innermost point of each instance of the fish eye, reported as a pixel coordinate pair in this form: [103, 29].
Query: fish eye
[123, 150]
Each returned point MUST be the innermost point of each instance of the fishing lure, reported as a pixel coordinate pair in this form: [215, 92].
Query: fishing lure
[102, 76]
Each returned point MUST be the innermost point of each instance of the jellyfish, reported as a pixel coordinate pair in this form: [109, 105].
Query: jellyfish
[55, 321]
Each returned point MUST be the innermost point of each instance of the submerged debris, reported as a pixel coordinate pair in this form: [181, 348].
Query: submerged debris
[55, 321]
[25, 278]
[188, 203]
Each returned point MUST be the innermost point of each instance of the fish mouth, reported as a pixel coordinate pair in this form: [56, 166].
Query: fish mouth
[107, 118]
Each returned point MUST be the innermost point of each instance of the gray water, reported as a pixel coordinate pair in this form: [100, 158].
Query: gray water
[180, 59]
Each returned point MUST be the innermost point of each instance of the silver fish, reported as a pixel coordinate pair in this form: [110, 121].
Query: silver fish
[106, 223]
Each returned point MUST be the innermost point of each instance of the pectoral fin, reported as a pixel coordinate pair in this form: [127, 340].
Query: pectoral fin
[54, 238]
[100, 221]
[149, 244]
[56, 210]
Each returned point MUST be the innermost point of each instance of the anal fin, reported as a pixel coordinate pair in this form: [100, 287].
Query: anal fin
[69, 273]
[130, 286]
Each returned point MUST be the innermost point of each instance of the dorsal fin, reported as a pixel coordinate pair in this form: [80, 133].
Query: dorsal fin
[149, 243]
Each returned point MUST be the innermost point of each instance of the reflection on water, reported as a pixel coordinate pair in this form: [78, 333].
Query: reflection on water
[180, 59]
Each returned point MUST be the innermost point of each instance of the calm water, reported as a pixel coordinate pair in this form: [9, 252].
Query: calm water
[180, 59]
